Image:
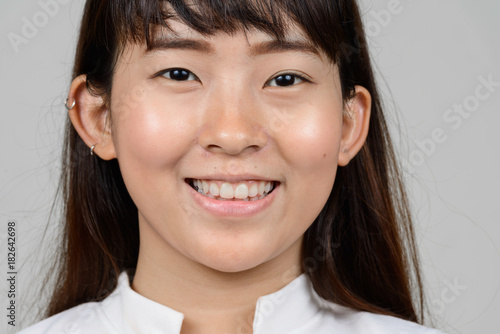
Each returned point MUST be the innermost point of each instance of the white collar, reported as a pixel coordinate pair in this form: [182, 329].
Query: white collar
[287, 309]
[282, 311]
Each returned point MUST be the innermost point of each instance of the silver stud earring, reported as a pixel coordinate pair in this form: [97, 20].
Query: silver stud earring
[92, 150]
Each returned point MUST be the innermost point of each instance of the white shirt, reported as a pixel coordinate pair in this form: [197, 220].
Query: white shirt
[295, 309]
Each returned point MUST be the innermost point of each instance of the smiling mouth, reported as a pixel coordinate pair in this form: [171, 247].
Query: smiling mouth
[228, 191]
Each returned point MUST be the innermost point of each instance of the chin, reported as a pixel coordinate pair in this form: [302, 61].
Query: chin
[233, 260]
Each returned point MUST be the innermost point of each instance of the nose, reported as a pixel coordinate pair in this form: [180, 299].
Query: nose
[232, 123]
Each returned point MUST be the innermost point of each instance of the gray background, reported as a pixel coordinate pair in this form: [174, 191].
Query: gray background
[430, 56]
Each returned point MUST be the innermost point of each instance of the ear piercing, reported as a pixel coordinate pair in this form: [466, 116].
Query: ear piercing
[68, 106]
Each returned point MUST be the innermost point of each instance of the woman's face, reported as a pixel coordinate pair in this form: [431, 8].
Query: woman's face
[235, 116]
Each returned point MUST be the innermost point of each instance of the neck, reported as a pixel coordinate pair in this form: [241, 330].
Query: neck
[211, 301]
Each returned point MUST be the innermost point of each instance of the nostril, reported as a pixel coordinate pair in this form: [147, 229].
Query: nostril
[232, 139]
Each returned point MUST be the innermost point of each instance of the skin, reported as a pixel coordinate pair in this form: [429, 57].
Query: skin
[230, 119]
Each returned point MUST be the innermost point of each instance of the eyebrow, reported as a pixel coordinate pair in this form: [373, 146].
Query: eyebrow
[277, 46]
[267, 47]
[164, 43]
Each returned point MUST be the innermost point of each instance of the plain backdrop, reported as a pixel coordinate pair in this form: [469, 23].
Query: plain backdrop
[434, 60]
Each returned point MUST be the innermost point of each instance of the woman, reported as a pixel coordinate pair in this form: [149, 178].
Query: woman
[228, 170]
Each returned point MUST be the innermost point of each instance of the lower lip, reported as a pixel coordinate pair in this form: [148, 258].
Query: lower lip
[238, 209]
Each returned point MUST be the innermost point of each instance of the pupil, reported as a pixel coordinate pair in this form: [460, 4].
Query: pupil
[285, 80]
[180, 75]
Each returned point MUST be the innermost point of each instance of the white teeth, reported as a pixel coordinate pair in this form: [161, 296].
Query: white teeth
[226, 191]
[253, 191]
[205, 186]
[247, 190]
[241, 191]
[262, 187]
[214, 189]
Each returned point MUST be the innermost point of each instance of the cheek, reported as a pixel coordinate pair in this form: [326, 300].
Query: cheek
[151, 134]
[311, 146]
[150, 137]
[315, 144]
[311, 140]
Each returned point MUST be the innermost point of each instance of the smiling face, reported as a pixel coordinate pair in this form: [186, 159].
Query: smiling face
[223, 115]
[227, 144]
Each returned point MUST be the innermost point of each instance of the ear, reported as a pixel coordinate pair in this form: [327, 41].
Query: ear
[355, 124]
[89, 116]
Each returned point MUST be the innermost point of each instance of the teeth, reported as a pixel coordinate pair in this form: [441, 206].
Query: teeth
[246, 191]
[262, 187]
[205, 186]
[254, 190]
[241, 191]
[214, 189]
[226, 191]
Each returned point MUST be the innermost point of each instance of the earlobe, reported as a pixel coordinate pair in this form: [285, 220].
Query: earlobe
[89, 116]
[355, 125]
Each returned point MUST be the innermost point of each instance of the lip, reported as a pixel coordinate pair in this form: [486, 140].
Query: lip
[233, 178]
[233, 209]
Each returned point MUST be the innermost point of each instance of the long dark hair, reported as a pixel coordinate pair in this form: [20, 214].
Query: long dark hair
[359, 252]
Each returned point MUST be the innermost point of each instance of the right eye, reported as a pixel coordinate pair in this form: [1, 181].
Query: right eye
[178, 74]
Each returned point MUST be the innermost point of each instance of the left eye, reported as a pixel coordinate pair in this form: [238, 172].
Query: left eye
[179, 74]
[285, 80]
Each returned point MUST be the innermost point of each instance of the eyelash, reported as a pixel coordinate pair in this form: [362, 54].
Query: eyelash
[192, 76]
[178, 69]
[287, 76]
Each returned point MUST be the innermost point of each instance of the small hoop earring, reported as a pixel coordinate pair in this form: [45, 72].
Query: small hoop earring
[92, 150]
[67, 106]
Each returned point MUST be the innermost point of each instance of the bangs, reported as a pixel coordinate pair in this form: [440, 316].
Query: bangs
[210, 17]
[143, 18]
[331, 26]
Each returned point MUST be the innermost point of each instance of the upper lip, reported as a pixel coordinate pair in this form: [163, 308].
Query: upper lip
[233, 178]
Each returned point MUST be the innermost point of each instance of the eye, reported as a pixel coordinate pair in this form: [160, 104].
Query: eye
[178, 74]
[286, 80]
